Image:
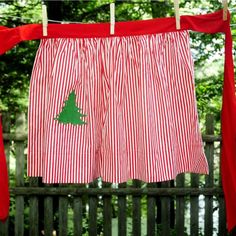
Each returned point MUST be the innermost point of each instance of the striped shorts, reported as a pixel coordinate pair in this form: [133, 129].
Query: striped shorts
[118, 108]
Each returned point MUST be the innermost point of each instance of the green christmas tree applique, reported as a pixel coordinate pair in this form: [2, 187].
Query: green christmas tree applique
[70, 113]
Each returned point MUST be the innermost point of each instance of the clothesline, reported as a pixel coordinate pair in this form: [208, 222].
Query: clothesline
[68, 22]
[27, 18]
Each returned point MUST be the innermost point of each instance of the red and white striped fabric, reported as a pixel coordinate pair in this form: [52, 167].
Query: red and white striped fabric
[139, 97]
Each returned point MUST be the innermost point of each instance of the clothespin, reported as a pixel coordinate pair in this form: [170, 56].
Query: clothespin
[225, 9]
[112, 18]
[44, 19]
[177, 15]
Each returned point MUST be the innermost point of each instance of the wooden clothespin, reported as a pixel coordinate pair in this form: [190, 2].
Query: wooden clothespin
[225, 9]
[45, 20]
[177, 15]
[112, 18]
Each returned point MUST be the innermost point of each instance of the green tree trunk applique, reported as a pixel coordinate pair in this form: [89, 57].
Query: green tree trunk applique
[71, 114]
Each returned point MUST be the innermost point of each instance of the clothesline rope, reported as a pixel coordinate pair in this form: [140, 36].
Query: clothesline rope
[27, 18]
[65, 22]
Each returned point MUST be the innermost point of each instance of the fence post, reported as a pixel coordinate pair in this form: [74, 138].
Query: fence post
[222, 214]
[107, 212]
[63, 213]
[48, 214]
[165, 211]
[136, 224]
[34, 210]
[122, 214]
[93, 205]
[6, 124]
[78, 215]
[180, 206]
[194, 207]
[20, 164]
[209, 150]
[151, 212]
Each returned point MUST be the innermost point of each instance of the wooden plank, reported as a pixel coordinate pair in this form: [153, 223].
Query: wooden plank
[211, 138]
[20, 164]
[6, 124]
[151, 212]
[222, 217]
[15, 136]
[48, 215]
[4, 228]
[73, 191]
[222, 227]
[172, 206]
[78, 216]
[165, 212]
[122, 214]
[208, 227]
[180, 206]
[107, 212]
[93, 204]
[158, 202]
[194, 207]
[136, 217]
[19, 216]
[63, 215]
[33, 211]
[209, 150]
[23, 136]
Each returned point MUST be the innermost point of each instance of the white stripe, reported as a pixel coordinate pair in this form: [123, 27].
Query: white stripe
[138, 94]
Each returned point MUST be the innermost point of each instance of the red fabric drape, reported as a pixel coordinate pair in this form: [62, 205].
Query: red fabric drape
[208, 23]
[4, 191]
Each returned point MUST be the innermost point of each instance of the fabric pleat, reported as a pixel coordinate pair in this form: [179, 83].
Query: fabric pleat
[139, 99]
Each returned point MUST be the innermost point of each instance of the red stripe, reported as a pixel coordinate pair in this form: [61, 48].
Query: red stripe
[138, 94]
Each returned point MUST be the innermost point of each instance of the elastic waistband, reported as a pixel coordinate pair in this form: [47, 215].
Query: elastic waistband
[98, 30]
[208, 23]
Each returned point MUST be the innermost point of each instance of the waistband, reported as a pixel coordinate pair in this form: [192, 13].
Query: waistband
[207, 23]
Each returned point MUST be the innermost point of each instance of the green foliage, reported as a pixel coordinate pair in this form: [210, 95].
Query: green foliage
[209, 85]
[16, 65]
